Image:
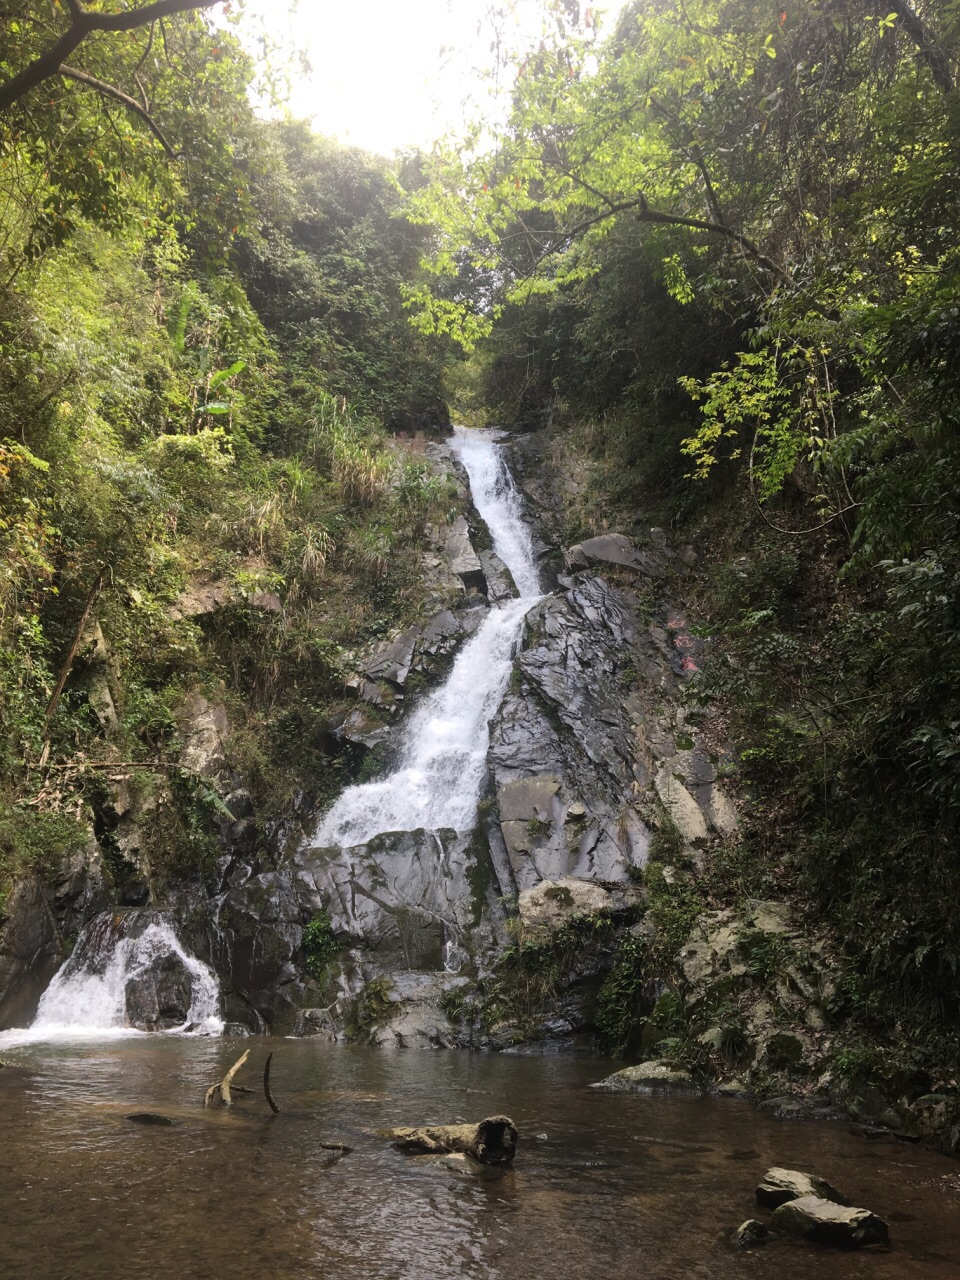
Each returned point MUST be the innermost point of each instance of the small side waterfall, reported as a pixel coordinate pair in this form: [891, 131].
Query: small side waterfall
[443, 750]
[126, 971]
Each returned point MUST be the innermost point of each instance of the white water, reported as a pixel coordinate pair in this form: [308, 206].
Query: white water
[87, 998]
[444, 746]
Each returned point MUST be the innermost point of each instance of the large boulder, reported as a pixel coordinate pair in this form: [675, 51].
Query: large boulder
[781, 1185]
[552, 903]
[649, 1077]
[813, 1218]
[159, 998]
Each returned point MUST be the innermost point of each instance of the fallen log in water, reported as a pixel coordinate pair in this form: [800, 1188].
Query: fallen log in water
[492, 1141]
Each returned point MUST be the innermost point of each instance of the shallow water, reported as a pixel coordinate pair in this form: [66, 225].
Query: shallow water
[605, 1186]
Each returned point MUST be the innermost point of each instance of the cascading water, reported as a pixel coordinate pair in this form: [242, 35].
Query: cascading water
[88, 997]
[443, 750]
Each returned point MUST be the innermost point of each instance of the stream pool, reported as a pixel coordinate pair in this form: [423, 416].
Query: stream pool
[604, 1186]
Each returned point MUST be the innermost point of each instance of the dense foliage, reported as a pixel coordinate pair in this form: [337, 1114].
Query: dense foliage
[202, 347]
[723, 244]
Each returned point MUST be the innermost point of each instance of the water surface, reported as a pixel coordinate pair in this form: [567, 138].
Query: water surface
[605, 1186]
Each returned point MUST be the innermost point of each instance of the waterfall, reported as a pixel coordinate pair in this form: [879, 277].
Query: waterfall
[444, 745]
[109, 967]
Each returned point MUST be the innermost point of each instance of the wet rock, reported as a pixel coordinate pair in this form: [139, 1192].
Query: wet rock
[492, 1141]
[649, 1077]
[160, 997]
[135, 891]
[564, 727]
[150, 1118]
[462, 558]
[466, 1167]
[813, 1218]
[499, 579]
[780, 1185]
[552, 903]
[751, 1233]
[29, 953]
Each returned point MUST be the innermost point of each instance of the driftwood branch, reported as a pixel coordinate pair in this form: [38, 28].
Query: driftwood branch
[224, 1086]
[266, 1085]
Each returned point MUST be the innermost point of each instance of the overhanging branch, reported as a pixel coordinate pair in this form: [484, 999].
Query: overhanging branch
[108, 91]
[83, 22]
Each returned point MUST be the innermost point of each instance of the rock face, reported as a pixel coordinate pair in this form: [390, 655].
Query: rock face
[649, 1077]
[782, 1185]
[813, 1218]
[29, 953]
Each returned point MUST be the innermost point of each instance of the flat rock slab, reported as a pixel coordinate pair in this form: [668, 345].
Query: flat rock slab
[649, 1077]
[616, 549]
[813, 1218]
[781, 1185]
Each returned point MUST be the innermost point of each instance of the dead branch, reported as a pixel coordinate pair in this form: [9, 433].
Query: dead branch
[266, 1085]
[228, 1079]
[223, 1088]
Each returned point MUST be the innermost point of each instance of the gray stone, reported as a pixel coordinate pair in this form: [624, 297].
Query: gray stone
[204, 730]
[814, 1218]
[615, 549]
[751, 1233]
[552, 903]
[462, 558]
[780, 1185]
[649, 1077]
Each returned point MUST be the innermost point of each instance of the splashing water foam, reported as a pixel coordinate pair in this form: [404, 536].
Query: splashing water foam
[444, 746]
[87, 998]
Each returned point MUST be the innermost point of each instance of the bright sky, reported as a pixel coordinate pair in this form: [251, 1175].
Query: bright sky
[387, 74]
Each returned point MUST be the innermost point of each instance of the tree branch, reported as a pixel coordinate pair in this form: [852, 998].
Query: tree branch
[108, 91]
[932, 53]
[83, 23]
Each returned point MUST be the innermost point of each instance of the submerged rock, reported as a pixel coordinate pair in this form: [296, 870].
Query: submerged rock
[750, 1233]
[813, 1218]
[781, 1185]
[150, 1118]
[649, 1077]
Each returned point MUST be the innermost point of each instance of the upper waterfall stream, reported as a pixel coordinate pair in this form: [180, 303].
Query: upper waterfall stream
[443, 750]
